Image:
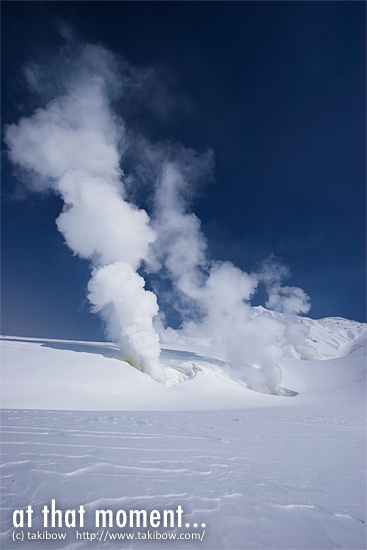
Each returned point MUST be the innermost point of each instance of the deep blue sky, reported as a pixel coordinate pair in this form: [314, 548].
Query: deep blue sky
[275, 89]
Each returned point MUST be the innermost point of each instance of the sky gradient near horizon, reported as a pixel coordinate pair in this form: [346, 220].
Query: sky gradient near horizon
[275, 89]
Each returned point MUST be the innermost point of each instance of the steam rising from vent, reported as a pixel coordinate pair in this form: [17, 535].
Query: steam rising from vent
[214, 297]
[74, 145]
[117, 292]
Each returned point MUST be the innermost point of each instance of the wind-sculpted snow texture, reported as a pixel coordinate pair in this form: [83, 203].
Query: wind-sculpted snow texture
[260, 471]
[289, 477]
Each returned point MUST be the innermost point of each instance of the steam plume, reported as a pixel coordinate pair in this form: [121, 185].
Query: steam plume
[71, 146]
[214, 296]
[74, 145]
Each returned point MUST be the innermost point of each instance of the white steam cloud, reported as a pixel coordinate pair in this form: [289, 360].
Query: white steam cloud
[286, 299]
[214, 297]
[74, 145]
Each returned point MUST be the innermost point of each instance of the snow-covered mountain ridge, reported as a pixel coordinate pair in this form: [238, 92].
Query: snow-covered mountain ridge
[305, 338]
[329, 337]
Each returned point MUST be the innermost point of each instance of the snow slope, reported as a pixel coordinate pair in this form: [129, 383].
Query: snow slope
[82, 427]
[54, 374]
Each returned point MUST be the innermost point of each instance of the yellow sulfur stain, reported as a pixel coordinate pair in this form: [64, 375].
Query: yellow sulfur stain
[127, 360]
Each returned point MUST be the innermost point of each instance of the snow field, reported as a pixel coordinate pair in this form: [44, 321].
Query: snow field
[81, 426]
[268, 478]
